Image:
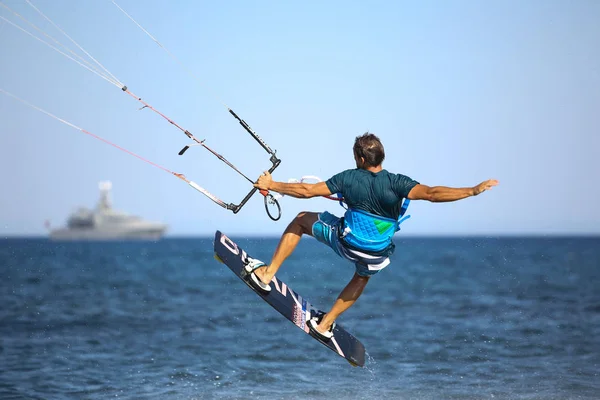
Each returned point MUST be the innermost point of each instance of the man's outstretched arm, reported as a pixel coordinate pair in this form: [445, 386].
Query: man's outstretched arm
[438, 194]
[299, 190]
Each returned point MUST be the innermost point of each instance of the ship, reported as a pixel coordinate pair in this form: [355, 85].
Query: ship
[106, 223]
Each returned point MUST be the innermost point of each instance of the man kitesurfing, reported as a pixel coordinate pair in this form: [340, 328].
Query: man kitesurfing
[376, 201]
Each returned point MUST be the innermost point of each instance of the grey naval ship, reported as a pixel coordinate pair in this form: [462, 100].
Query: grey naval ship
[106, 223]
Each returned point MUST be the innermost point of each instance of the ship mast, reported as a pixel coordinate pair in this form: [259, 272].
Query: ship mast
[105, 202]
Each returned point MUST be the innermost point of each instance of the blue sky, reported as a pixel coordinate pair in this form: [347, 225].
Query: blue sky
[458, 91]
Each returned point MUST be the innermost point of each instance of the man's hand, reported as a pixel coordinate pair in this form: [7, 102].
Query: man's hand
[264, 181]
[483, 186]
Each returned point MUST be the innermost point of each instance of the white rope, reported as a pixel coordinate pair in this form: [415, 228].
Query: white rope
[89, 68]
[81, 59]
[41, 110]
[74, 42]
[181, 64]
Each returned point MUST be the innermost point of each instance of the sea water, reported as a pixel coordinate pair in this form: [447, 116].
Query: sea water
[453, 318]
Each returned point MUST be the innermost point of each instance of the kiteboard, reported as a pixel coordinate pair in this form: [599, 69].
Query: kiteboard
[289, 303]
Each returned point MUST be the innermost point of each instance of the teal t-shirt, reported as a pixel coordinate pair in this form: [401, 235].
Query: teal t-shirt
[379, 193]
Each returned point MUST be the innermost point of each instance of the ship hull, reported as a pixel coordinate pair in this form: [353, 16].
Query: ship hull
[99, 234]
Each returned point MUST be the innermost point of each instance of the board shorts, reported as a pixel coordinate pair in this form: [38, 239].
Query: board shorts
[326, 230]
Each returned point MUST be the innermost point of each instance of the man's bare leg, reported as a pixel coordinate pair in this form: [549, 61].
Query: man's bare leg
[300, 225]
[345, 300]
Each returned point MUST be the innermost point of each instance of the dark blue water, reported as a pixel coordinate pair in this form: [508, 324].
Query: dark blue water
[449, 319]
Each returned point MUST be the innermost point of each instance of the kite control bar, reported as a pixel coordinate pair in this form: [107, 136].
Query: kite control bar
[270, 200]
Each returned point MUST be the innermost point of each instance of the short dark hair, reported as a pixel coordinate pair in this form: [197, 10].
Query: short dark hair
[369, 147]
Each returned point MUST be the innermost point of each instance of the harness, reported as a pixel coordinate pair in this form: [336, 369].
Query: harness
[370, 232]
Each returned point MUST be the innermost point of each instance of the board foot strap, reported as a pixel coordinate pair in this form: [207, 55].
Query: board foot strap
[252, 265]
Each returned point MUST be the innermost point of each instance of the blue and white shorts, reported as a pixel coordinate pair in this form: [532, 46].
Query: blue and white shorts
[326, 229]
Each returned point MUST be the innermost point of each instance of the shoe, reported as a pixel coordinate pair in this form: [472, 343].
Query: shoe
[313, 324]
[250, 267]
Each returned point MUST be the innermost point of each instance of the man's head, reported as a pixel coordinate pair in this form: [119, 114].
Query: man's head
[368, 151]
